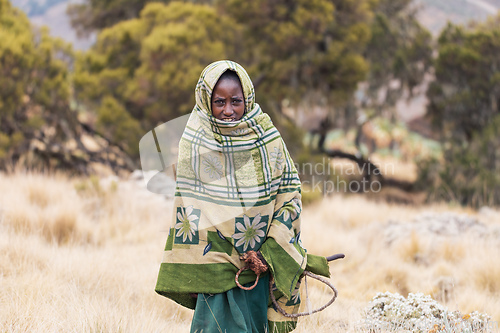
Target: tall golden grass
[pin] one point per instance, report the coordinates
(82, 255)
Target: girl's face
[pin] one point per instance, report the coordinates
(228, 103)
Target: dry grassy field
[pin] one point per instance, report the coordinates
(82, 255)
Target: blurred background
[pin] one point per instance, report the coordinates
(389, 108)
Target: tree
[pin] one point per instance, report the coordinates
(464, 104)
(399, 53)
(35, 84)
(95, 15)
(38, 127)
(146, 69)
(302, 47)
(303, 55)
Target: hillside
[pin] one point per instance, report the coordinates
(435, 14)
(83, 256)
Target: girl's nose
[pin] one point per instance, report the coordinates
(228, 110)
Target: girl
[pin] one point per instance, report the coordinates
(237, 196)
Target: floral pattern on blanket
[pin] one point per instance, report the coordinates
(186, 227)
(249, 232)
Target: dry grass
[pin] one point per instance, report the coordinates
(414, 250)
(461, 273)
(82, 255)
(487, 274)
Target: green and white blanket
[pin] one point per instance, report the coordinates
(237, 190)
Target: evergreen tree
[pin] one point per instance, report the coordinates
(35, 85)
(464, 107)
(38, 126)
(142, 72)
(95, 15)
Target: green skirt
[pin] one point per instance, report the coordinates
(235, 311)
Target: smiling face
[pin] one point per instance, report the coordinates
(228, 102)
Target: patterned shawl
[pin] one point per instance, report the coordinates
(237, 190)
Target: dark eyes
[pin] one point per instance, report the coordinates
(234, 101)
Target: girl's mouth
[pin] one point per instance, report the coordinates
(228, 119)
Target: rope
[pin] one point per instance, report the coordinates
(256, 263)
(295, 315)
(238, 283)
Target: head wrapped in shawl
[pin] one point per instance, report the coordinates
(237, 190)
(209, 78)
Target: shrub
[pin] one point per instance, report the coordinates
(419, 313)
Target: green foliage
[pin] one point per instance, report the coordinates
(303, 54)
(35, 84)
(468, 173)
(95, 15)
(464, 105)
(295, 48)
(16, 52)
(400, 50)
(4, 145)
(119, 126)
(149, 66)
(466, 93)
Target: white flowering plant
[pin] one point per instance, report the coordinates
(419, 313)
